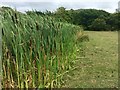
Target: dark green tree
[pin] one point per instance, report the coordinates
(98, 25)
(113, 21)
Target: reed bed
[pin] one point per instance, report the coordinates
(37, 50)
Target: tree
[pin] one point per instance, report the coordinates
(114, 21)
(98, 25)
(62, 14)
(85, 17)
(60, 10)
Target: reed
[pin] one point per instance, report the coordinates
(36, 50)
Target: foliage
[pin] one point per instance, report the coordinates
(114, 21)
(86, 18)
(98, 25)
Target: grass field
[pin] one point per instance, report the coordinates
(97, 62)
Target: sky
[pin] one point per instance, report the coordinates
(52, 5)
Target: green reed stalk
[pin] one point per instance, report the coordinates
(40, 49)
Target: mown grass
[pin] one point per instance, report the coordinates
(37, 50)
(97, 62)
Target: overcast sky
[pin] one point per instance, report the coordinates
(42, 5)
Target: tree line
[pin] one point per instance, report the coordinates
(90, 19)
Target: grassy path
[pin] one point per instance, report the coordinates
(97, 64)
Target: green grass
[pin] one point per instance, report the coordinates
(37, 50)
(97, 62)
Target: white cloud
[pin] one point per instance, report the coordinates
(59, 1)
(23, 9)
(28, 0)
(23, 5)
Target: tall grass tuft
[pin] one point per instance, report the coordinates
(37, 50)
